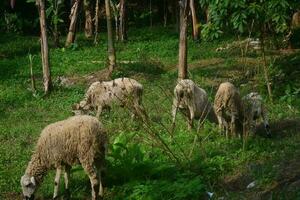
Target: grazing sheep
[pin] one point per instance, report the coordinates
(193, 101)
(100, 95)
(229, 110)
(253, 110)
(78, 139)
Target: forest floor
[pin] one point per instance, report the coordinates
(139, 167)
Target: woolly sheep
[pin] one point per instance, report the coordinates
(78, 139)
(193, 100)
(228, 108)
(100, 95)
(254, 109)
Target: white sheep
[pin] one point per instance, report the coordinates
(193, 101)
(229, 109)
(123, 91)
(78, 139)
(254, 109)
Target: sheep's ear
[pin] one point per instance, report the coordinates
(32, 179)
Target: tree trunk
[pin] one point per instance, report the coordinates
(266, 71)
(72, 27)
(96, 22)
(207, 14)
(56, 36)
(110, 43)
(115, 13)
(88, 19)
(123, 24)
(165, 13)
(195, 21)
(182, 61)
(44, 47)
(150, 10)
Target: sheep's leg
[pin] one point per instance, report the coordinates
(67, 179)
(90, 170)
(223, 126)
(101, 191)
(56, 182)
(266, 121)
(174, 112)
(99, 110)
(233, 127)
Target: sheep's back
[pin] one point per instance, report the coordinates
(68, 140)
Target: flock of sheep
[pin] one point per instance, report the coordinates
(82, 138)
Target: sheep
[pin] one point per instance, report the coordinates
(100, 95)
(229, 109)
(78, 139)
(193, 101)
(253, 110)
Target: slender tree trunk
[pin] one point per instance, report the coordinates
(123, 24)
(195, 21)
(115, 13)
(44, 47)
(207, 14)
(88, 19)
(182, 61)
(56, 35)
(110, 42)
(150, 9)
(265, 67)
(72, 27)
(165, 13)
(96, 22)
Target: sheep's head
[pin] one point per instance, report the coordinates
(28, 186)
(80, 108)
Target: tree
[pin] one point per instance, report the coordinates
(122, 20)
(194, 20)
(72, 28)
(182, 59)
(110, 42)
(44, 46)
(88, 18)
(96, 22)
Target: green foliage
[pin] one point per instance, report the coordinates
(258, 16)
(210, 32)
(137, 165)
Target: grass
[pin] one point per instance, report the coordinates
(138, 168)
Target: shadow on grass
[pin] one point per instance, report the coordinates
(149, 70)
(280, 128)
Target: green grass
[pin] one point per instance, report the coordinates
(138, 167)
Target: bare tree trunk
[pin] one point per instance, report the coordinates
(72, 27)
(123, 24)
(182, 61)
(195, 21)
(266, 73)
(115, 13)
(88, 19)
(96, 22)
(207, 14)
(165, 13)
(150, 9)
(56, 35)
(111, 48)
(44, 47)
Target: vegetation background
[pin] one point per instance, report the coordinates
(139, 167)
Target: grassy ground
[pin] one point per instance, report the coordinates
(138, 166)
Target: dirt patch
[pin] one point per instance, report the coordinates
(102, 75)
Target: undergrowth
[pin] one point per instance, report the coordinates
(138, 166)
